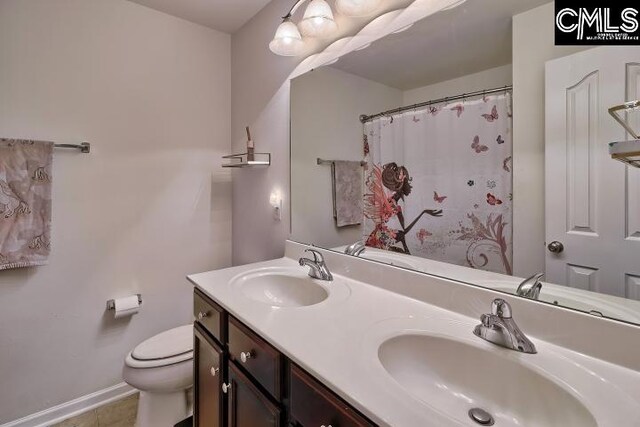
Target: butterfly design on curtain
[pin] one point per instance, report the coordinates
(505, 164)
(477, 146)
(493, 200)
(438, 198)
(459, 109)
(422, 235)
(493, 116)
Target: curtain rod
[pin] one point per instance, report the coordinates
(364, 118)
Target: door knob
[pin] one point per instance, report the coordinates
(226, 387)
(555, 247)
(214, 371)
(245, 355)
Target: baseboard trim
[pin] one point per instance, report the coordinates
(74, 407)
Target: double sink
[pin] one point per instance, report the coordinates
(439, 364)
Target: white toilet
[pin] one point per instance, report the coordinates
(162, 369)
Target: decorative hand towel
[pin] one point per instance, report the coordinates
(25, 202)
(347, 189)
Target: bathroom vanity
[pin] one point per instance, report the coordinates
(242, 380)
(382, 345)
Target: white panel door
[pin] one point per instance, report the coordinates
(592, 202)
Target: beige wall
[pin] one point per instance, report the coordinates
(149, 205)
(325, 108)
(533, 45)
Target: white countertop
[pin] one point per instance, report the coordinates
(337, 341)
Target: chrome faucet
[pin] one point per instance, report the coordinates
(355, 249)
(499, 328)
(530, 287)
(317, 267)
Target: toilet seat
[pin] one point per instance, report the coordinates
(167, 348)
(162, 369)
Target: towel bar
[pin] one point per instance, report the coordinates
(85, 147)
(328, 162)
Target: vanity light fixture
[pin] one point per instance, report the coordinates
(317, 22)
(287, 41)
(357, 8)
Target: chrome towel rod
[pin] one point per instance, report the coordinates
(364, 118)
(84, 147)
(330, 162)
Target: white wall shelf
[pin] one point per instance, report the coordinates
(244, 160)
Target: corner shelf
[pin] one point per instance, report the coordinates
(626, 151)
(242, 160)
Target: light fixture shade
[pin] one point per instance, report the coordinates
(318, 20)
(357, 7)
(287, 41)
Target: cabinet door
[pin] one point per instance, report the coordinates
(313, 405)
(208, 380)
(247, 406)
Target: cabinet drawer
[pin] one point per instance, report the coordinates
(256, 356)
(312, 404)
(210, 315)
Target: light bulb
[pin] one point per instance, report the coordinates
(318, 20)
(356, 8)
(287, 41)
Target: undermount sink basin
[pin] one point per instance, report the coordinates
(454, 377)
(281, 288)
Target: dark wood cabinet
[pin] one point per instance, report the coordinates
(243, 381)
(208, 379)
(256, 356)
(211, 316)
(312, 404)
(247, 406)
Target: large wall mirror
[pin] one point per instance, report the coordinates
(469, 146)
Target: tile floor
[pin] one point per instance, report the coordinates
(121, 413)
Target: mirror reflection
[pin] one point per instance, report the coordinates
(469, 146)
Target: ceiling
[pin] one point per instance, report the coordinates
(470, 38)
(223, 15)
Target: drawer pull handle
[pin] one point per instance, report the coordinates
(325, 426)
(202, 315)
(245, 356)
(226, 388)
(214, 371)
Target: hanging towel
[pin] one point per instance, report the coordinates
(25, 202)
(347, 192)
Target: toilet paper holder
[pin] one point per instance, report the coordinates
(111, 304)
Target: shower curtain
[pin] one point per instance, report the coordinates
(439, 183)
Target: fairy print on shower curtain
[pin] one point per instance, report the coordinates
(439, 183)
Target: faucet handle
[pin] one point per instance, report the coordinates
(317, 256)
(485, 319)
(501, 308)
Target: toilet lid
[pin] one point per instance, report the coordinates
(171, 343)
